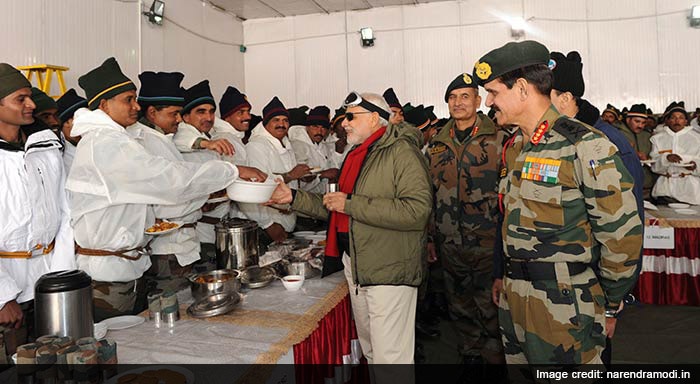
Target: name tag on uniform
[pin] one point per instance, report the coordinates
(437, 149)
(541, 169)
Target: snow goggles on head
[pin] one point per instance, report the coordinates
(355, 100)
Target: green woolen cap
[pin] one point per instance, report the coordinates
(11, 80)
(508, 58)
(42, 101)
(104, 82)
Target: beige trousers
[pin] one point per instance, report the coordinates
(385, 317)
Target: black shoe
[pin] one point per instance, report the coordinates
(472, 360)
(419, 355)
(425, 330)
(430, 319)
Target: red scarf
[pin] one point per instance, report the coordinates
(340, 222)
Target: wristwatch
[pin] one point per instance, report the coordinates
(611, 313)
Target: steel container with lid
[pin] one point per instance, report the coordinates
(236, 244)
(63, 304)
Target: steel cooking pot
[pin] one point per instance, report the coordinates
(214, 282)
(236, 244)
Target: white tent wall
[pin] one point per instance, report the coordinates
(196, 39)
(633, 50)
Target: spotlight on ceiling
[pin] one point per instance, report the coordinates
(695, 16)
(517, 27)
(155, 13)
(367, 36)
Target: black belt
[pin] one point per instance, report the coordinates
(210, 220)
(537, 270)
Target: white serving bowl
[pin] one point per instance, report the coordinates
(251, 192)
(293, 282)
(100, 330)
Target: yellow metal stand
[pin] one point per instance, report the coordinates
(44, 74)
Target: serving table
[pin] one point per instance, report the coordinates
(269, 326)
(672, 276)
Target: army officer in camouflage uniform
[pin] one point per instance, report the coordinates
(464, 163)
(567, 200)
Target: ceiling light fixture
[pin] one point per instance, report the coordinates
(156, 12)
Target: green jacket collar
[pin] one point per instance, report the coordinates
(485, 124)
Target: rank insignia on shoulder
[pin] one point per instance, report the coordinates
(539, 132)
(541, 169)
(437, 149)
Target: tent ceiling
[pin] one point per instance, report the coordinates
(257, 9)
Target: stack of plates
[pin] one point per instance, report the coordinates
(683, 208)
(214, 305)
(257, 277)
(315, 237)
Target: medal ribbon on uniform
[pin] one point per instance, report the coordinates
(541, 169)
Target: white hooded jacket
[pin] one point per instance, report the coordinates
(184, 242)
(113, 182)
(223, 130)
(267, 153)
(676, 181)
(34, 211)
(184, 139)
(309, 153)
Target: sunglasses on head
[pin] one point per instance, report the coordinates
(351, 115)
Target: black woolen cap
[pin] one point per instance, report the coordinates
(196, 95)
(68, 104)
(319, 116)
(637, 110)
(568, 72)
(104, 82)
(417, 117)
(339, 115)
(231, 101)
(675, 107)
(297, 116)
(274, 108)
(42, 101)
(162, 88)
(391, 99)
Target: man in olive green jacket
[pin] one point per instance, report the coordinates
(385, 195)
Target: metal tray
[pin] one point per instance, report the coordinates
(256, 277)
(214, 305)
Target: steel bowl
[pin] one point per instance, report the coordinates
(211, 283)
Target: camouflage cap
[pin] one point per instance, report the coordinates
(508, 58)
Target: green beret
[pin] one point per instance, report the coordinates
(42, 101)
(11, 80)
(104, 82)
(508, 58)
(464, 80)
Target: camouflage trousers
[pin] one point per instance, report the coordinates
(167, 274)
(11, 338)
(553, 322)
(467, 277)
(207, 258)
(113, 299)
